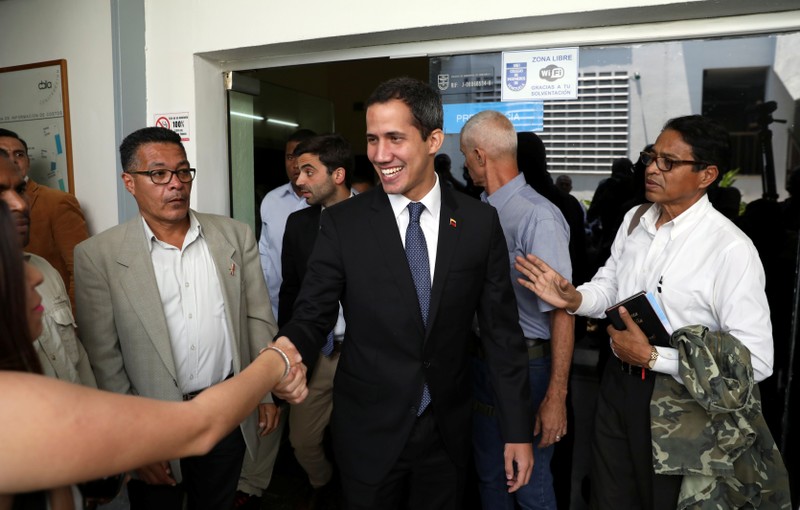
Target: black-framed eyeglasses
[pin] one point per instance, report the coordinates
(163, 176)
(666, 164)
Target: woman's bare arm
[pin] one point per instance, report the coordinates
(56, 433)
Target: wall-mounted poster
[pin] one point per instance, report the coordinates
(34, 104)
(540, 75)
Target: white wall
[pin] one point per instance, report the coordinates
(80, 32)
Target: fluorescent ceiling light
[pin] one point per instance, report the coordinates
(283, 123)
(247, 116)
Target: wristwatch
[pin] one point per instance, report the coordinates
(653, 358)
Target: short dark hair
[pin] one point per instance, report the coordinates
(710, 142)
(424, 102)
(333, 151)
(363, 171)
(131, 144)
(442, 163)
(301, 135)
(10, 134)
(622, 168)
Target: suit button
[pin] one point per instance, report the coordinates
(426, 364)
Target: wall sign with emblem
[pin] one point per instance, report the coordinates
(34, 103)
(465, 82)
(178, 122)
(536, 75)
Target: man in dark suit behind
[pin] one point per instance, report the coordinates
(402, 399)
(326, 165)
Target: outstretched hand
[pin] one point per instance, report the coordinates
(546, 283)
(291, 388)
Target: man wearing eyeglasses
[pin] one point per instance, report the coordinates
(169, 304)
(701, 269)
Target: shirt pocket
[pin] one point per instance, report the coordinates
(64, 327)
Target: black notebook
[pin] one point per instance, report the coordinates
(648, 315)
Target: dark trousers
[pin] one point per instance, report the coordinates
(209, 481)
(424, 477)
(488, 445)
(622, 456)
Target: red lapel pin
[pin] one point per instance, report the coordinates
(452, 222)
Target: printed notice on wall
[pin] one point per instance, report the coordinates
(178, 122)
(32, 105)
(536, 75)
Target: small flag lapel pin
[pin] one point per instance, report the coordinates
(452, 222)
(233, 268)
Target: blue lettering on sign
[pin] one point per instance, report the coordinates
(524, 115)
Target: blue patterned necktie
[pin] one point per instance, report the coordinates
(327, 349)
(417, 255)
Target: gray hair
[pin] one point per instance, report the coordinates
(491, 131)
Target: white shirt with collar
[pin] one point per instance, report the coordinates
(428, 220)
(702, 270)
(275, 209)
(191, 296)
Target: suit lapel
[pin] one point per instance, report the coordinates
(384, 227)
(33, 193)
(229, 272)
(448, 240)
(139, 284)
(310, 231)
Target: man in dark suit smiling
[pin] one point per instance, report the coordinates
(412, 262)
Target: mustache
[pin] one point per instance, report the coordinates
(24, 216)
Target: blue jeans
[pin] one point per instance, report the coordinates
(488, 446)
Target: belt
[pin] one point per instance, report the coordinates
(193, 394)
(537, 348)
(627, 368)
(633, 369)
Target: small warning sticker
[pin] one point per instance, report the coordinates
(178, 122)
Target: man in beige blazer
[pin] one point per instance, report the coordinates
(170, 303)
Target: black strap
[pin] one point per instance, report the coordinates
(637, 216)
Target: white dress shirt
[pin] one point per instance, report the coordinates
(191, 296)
(702, 270)
(428, 220)
(275, 209)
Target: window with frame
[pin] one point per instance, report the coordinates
(587, 134)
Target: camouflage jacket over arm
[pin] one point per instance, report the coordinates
(712, 431)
